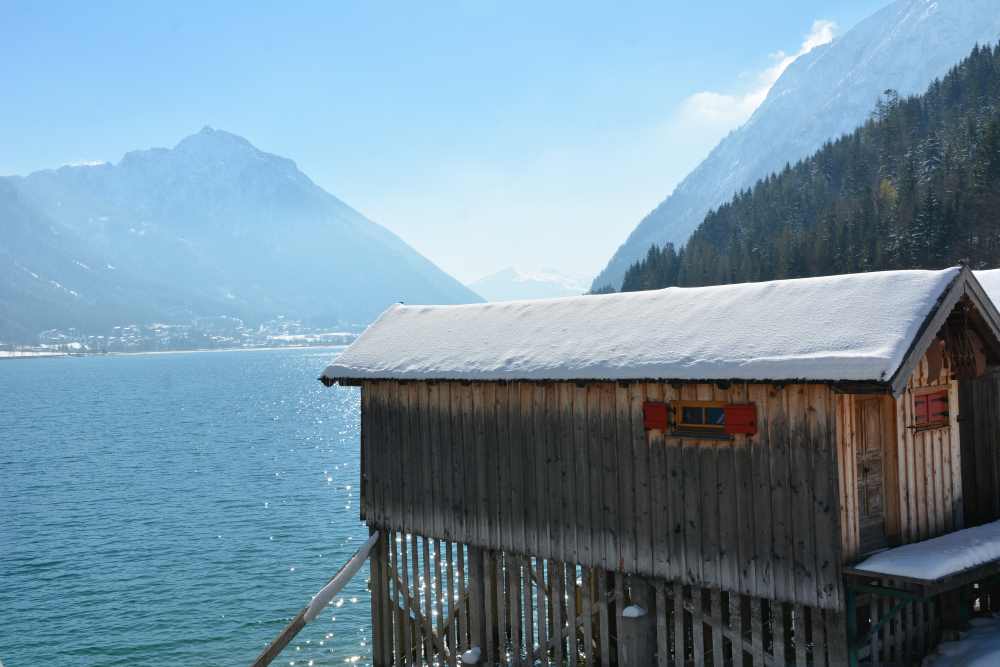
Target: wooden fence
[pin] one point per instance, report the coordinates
(434, 599)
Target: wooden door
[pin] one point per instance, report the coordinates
(871, 474)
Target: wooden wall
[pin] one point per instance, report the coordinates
(567, 472)
(979, 414)
(923, 493)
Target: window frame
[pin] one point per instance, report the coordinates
(680, 426)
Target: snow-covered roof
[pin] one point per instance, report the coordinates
(990, 280)
(855, 327)
(940, 556)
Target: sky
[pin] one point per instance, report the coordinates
(485, 134)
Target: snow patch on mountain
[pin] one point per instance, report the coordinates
(513, 283)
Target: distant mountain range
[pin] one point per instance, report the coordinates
(822, 95)
(512, 284)
(213, 226)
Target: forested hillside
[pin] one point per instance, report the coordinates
(917, 186)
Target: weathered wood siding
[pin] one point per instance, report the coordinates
(567, 472)
(979, 414)
(923, 491)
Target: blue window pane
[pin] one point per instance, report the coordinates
(715, 416)
(693, 415)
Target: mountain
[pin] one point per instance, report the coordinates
(917, 186)
(512, 284)
(823, 94)
(213, 226)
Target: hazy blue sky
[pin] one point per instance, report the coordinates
(484, 133)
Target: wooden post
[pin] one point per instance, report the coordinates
(477, 599)
(637, 634)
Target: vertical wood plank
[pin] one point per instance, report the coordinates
(610, 522)
(500, 537)
(471, 456)
(428, 487)
(489, 591)
(624, 460)
(958, 515)
(677, 507)
(516, 494)
(680, 654)
(582, 478)
(660, 520)
(697, 626)
(759, 531)
(662, 637)
(551, 487)
(708, 462)
(783, 553)
(565, 438)
(464, 639)
(458, 451)
(716, 630)
(514, 601)
(557, 573)
(587, 601)
(643, 480)
(691, 453)
(488, 465)
(602, 605)
(595, 446)
(619, 601)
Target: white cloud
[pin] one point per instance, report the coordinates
(717, 113)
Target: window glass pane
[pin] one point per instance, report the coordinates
(692, 415)
(715, 416)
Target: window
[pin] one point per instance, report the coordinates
(930, 409)
(711, 418)
(701, 416)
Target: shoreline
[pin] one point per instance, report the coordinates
(65, 355)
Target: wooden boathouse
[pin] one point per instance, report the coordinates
(688, 476)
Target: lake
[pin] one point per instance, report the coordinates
(177, 509)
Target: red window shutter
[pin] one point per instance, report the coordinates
(921, 415)
(741, 418)
(937, 407)
(654, 416)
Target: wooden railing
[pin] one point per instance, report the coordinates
(318, 603)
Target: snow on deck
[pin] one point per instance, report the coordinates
(854, 327)
(979, 647)
(940, 556)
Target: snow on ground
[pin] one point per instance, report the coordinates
(979, 647)
(847, 327)
(940, 556)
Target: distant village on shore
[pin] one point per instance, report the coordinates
(204, 333)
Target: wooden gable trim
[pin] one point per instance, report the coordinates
(964, 285)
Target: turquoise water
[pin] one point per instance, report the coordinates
(176, 509)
